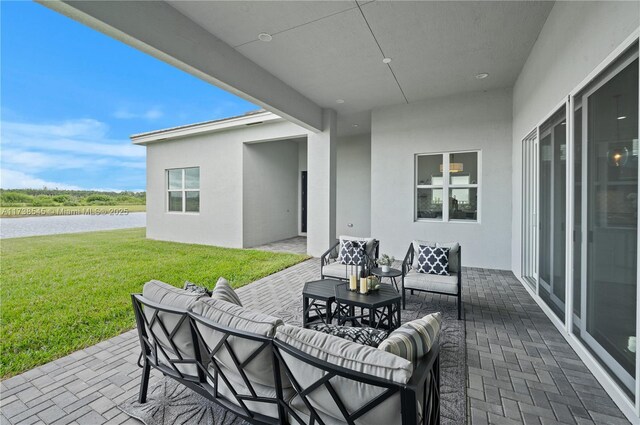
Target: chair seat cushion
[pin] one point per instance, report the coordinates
(431, 282)
(339, 271)
(414, 339)
(364, 336)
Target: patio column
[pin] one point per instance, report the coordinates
(321, 185)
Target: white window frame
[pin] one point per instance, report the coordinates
(446, 187)
(183, 191)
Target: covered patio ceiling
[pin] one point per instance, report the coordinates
(329, 54)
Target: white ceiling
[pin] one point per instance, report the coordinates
(329, 50)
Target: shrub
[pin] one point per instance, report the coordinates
(9, 198)
(98, 199)
(42, 201)
(62, 199)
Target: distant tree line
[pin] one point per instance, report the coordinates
(68, 198)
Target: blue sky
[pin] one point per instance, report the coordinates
(71, 97)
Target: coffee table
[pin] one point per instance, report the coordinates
(378, 309)
(318, 297)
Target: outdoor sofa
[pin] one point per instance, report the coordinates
(267, 372)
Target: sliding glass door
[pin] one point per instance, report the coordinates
(553, 209)
(530, 209)
(602, 236)
(606, 137)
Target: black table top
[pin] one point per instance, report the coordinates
(384, 296)
(321, 289)
(377, 271)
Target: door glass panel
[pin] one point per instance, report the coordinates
(552, 195)
(612, 217)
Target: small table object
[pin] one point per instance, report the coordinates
(318, 297)
(378, 309)
(391, 274)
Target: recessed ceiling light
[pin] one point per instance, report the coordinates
(340, 101)
(482, 76)
(386, 60)
(265, 37)
(622, 117)
(355, 126)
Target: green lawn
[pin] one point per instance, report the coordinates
(61, 293)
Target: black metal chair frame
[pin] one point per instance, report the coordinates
(407, 264)
(424, 383)
(332, 254)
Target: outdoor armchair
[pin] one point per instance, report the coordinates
(331, 267)
(450, 284)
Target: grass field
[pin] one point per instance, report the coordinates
(65, 292)
(8, 212)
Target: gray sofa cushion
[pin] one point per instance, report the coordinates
(268, 409)
(454, 259)
(431, 282)
(349, 355)
(259, 369)
(224, 291)
(170, 296)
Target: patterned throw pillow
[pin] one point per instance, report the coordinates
(414, 339)
(224, 292)
(433, 260)
(364, 336)
(352, 253)
(194, 287)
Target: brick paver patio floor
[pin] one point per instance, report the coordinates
(520, 369)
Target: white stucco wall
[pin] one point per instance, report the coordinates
(321, 166)
(270, 192)
(353, 192)
(219, 156)
(474, 121)
(576, 38)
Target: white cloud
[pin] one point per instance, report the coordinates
(150, 114)
(31, 149)
(77, 137)
(11, 179)
(43, 161)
